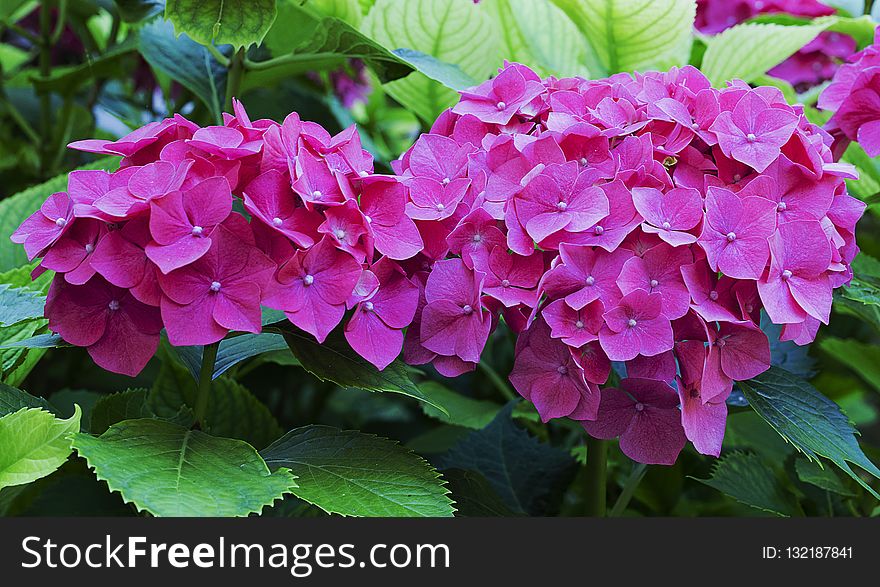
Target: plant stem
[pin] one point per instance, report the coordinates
(233, 81)
(597, 453)
(638, 473)
(220, 57)
(45, 98)
(497, 381)
(206, 376)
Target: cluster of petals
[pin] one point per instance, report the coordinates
(638, 224)
(200, 228)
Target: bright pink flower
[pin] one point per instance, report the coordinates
(145, 184)
(659, 270)
(657, 367)
(313, 286)
(437, 157)
(859, 115)
(270, 198)
(433, 200)
(375, 330)
(754, 132)
(575, 327)
(45, 226)
(735, 233)
(609, 232)
(348, 229)
(583, 274)
(510, 278)
(120, 258)
(120, 333)
(645, 415)
(737, 351)
(476, 235)
(670, 215)
(498, 100)
(703, 422)
(453, 321)
(225, 142)
(383, 203)
(712, 297)
(796, 284)
(72, 253)
(636, 326)
(218, 293)
(798, 195)
(317, 183)
(545, 373)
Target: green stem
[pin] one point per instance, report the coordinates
(233, 81)
(638, 473)
(597, 453)
(59, 24)
(45, 64)
(206, 376)
(497, 380)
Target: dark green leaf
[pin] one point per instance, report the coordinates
(40, 341)
(354, 474)
(474, 495)
(12, 400)
(747, 478)
(232, 351)
(862, 358)
(823, 477)
(463, 411)
(130, 404)
(527, 474)
(810, 421)
(139, 10)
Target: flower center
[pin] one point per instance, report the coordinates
(317, 194)
(277, 221)
(737, 177)
(579, 324)
(631, 323)
(720, 342)
(562, 369)
(751, 137)
(363, 173)
(695, 126)
(440, 207)
(309, 279)
(368, 306)
(583, 161)
(639, 406)
(561, 206)
(340, 234)
(786, 275)
(60, 222)
(368, 219)
(590, 280)
(731, 236)
(477, 238)
(89, 248)
(113, 305)
(598, 230)
(505, 283)
(781, 206)
(467, 310)
(713, 295)
(654, 283)
(215, 286)
(501, 105)
(666, 226)
(197, 231)
(445, 181)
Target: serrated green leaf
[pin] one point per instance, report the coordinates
(354, 474)
(527, 474)
(16, 208)
(13, 399)
(630, 35)
(474, 495)
(19, 304)
(807, 419)
(35, 443)
(463, 411)
(240, 23)
(333, 360)
(168, 470)
(747, 478)
(822, 477)
(747, 51)
(453, 31)
(130, 404)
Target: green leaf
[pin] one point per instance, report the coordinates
(747, 478)
(786, 354)
(474, 495)
(447, 74)
(67, 80)
(354, 474)
(527, 474)
(130, 404)
(168, 470)
(463, 411)
(539, 34)
(453, 31)
(15, 209)
(629, 35)
(40, 341)
(186, 62)
(335, 361)
(808, 420)
(821, 477)
(862, 358)
(240, 23)
(348, 10)
(35, 443)
(232, 410)
(139, 10)
(12, 400)
(19, 304)
(747, 51)
(232, 351)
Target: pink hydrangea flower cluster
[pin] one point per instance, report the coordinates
(812, 64)
(642, 219)
(854, 97)
(164, 241)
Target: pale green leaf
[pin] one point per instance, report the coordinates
(169, 470)
(34, 444)
(453, 31)
(19, 304)
(240, 23)
(463, 411)
(747, 51)
(747, 478)
(630, 35)
(808, 420)
(354, 474)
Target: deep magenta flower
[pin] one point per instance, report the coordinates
(120, 258)
(510, 278)
(433, 200)
(645, 415)
(636, 326)
(659, 270)
(583, 274)
(703, 422)
(45, 226)
(72, 253)
(574, 327)
(383, 203)
(737, 351)
(270, 198)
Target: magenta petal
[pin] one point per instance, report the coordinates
(372, 339)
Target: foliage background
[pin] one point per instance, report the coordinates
(74, 69)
